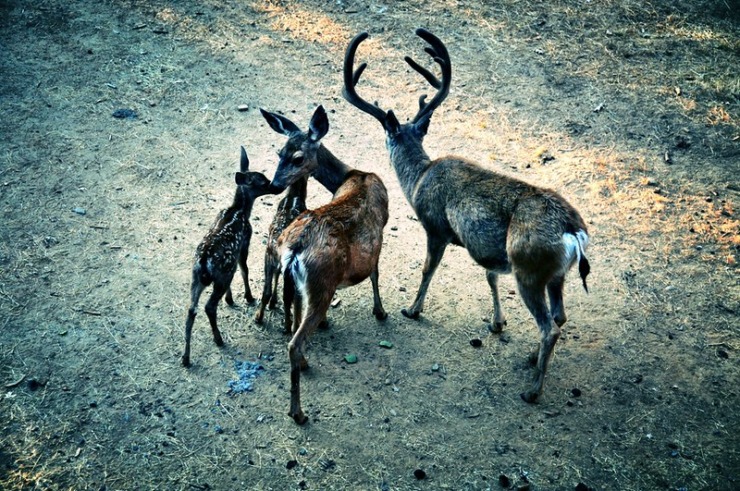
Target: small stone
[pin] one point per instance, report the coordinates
(242, 107)
(385, 344)
(350, 358)
(218, 429)
(124, 113)
(79, 210)
(504, 481)
(290, 464)
(420, 474)
(336, 303)
(435, 367)
(401, 288)
(723, 354)
(476, 343)
(33, 384)
(576, 392)
(394, 228)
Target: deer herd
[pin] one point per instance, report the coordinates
(506, 225)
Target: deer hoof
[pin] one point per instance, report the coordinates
(496, 327)
(249, 298)
(324, 325)
(186, 361)
(299, 418)
(381, 315)
(529, 396)
(218, 340)
(258, 318)
(410, 314)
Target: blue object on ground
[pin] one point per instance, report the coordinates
(247, 372)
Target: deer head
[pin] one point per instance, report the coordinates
(251, 183)
(298, 157)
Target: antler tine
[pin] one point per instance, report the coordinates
(438, 52)
(351, 78)
(431, 78)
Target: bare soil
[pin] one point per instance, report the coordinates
(630, 109)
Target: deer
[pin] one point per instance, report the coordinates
(224, 247)
(333, 246)
(292, 205)
(506, 225)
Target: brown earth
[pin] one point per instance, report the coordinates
(629, 109)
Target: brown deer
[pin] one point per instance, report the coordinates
(334, 246)
(505, 224)
(292, 205)
(225, 246)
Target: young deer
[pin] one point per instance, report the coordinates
(225, 245)
(331, 247)
(505, 224)
(292, 205)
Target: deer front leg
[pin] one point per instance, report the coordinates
(267, 293)
(499, 321)
(534, 299)
(378, 310)
(245, 274)
(435, 251)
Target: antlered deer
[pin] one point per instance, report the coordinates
(334, 246)
(505, 224)
(225, 246)
(292, 205)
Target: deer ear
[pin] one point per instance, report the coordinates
(240, 178)
(281, 124)
(319, 125)
(243, 161)
(391, 123)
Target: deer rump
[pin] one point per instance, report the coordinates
(505, 224)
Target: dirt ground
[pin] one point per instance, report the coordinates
(630, 109)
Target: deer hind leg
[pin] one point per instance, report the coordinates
(378, 310)
(297, 354)
(288, 297)
(267, 291)
(275, 281)
(499, 320)
(555, 293)
(534, 298)
(219, 289)
(435, 251)
(196, 290)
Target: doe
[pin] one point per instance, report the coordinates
(225, 246)
(507, 226)
(334, 246)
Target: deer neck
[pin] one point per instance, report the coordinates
(410, 162)
(297, 190)
(243, 201)
(331, 172)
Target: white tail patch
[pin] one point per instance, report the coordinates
(575, 247)
(294, 263)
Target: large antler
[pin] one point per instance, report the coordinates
(439, 53)
(351, 78)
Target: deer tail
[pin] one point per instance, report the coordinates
(576, 244)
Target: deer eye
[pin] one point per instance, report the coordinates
(298, 159)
